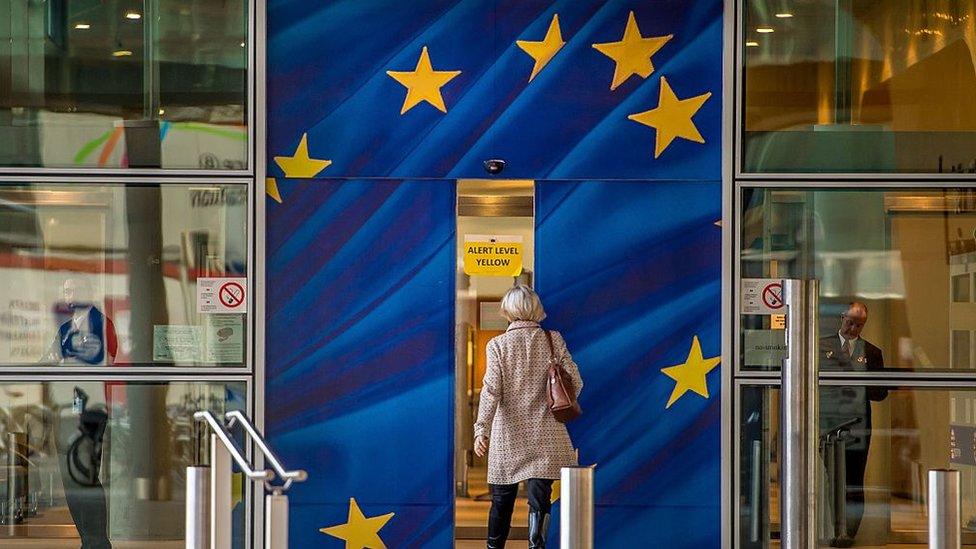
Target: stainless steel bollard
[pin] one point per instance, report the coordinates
(576, 508)
(276, 521)
(944, 509)
(198, 508)
(16, 479)
(755, 494)
(798, 413)
(220, 495)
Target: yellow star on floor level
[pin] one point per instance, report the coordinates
(360, 532)
(271, 187)
(544, 51)
(300, 165)
(672, 117)
(423, 83)
(632, 53)
(690, 376)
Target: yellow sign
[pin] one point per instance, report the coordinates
(487, 255)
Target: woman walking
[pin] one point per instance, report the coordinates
(523, 439)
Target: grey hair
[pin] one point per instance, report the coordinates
(522, 303)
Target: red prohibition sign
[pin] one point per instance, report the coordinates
(231, 294)
(773, 295)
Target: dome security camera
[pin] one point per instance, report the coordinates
(494, 166)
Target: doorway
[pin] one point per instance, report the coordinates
(495, 249)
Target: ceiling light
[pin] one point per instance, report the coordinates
(121, 53)
(82, 26)
(784, 15)
(133, 15)
(161, 112)
(765, 30)
(752, 44)
(242, 44)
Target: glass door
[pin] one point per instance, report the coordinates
(894, 357)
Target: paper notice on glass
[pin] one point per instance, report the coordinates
(177, 343)
(224, 338)
(221, 295)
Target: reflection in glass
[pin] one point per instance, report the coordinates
(907, 254)
(120, 84)
(876, 446)
(98, 275)
(102, 464)
(859, 86)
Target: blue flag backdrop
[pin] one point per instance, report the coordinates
(375, 108)
(328, 67)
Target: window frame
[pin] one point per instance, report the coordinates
(735, 85)
(255, 64)
(249, 363)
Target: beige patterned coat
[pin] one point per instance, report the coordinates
(525, 440)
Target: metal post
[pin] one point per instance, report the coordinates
(839, 486)
(276, 521)
(198, 508)
(756, 491)
(576, 508)
(944, 509)
(220, 495)
(798, 409)
(16, 478)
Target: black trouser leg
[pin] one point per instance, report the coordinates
(500, 516)
(85, 497)
(857, 461)
(540, 504)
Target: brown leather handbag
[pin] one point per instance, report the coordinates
(562, 394)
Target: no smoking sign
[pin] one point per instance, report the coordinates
(221, 295)
(762, 296)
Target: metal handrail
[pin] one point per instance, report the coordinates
(297, 475)
(232, 449)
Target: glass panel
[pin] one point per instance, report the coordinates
(961, 286)
(960, 349)
(859, 86)
(93, 463)
(118, 84)
(876, 446)
(896, 251)
(94, 275)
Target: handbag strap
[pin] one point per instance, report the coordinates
(552, 348)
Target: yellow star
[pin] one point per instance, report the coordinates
(360, 532)
(271, 187)
(690, 376)
(423, 83)
(543, 51)
(672, 117)
(300, 165)
(632, 53)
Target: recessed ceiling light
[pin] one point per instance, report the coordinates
(784, 15)
(121, 53)
(133, 15)
(82, 26)
(752, 44)
(765, 30)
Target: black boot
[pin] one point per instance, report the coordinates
(498, 528)
(538, 529)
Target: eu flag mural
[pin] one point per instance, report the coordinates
(432, 88)
(360, 345)
(375, 108)
(630, 273)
